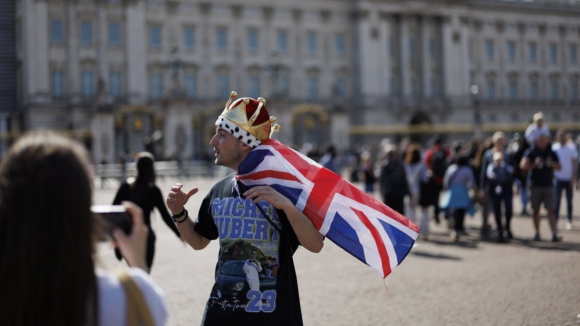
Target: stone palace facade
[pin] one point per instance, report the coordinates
(129, 75)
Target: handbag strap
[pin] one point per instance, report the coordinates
(452, 177)
(138, 312)
(243, 188)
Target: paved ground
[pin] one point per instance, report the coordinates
(441, 283)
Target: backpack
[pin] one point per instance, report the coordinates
(439, 163)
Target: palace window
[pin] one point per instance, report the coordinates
(86, 33)
(189, 37)
(56, 31)
(114, 34)
(156, 85)
(57, 84)
(115, 84)
(155, 37)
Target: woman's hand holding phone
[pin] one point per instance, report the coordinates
(133, 245)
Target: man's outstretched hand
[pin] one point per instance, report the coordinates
(177, 198)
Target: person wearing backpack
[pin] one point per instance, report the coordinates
(436, 159)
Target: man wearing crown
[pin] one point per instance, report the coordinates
(258, 224)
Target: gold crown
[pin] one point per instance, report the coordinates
(237, 114)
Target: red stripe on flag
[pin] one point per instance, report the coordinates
(378, 240)
(268, 174)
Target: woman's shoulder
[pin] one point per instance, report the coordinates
(112, 302)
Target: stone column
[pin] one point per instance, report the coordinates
(238, 35)
(31, 31)
(521, 59)
(425, 68)
(455, 62)
(542, 58)
(73, 70)
(206, 71)
(501, 78)
(563, 63)
(40, 50)
(372, 55)
(136, 42)
(385, 59)
(404, 73)
(295, 50)
(102, 29)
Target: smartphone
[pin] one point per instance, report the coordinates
(115, 217)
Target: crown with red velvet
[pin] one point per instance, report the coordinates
(248, 120)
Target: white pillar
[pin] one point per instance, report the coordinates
(404, 59)
(102, 29)
(456, 73)
(30, 36)
(136, 40)
(426, 60)
(40, 48)
(72, 73)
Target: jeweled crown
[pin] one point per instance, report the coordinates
(250, 115)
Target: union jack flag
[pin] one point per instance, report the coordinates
(357, 222)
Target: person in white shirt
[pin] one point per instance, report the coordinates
(565, 177)
(537, 128)
(48, 239)
(252, 268)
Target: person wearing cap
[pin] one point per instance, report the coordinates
(542, 162)
(259, 221)
(537, 128)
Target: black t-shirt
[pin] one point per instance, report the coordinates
(255, 277)
(542, 175)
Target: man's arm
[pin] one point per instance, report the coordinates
(307, 234)
(176, 201)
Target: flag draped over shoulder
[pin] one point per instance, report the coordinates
(357, 222)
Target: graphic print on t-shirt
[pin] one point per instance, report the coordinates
(248, 264)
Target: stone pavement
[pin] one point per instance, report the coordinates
(471, 282)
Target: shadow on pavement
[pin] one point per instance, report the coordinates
(435, 256)
(443, 239)
(546, 244)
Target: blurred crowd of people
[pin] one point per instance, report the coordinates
(454, 180)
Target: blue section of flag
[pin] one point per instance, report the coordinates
(291, 193)
(401, 242)
(257, 156)
(342, 234)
